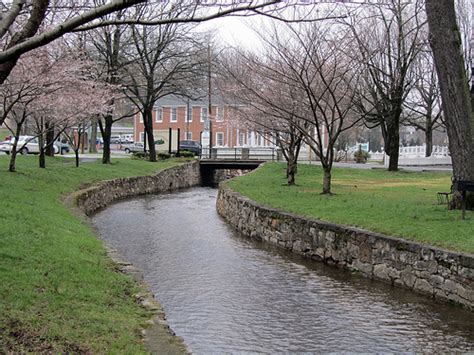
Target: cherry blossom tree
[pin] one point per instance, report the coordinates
(48, 91)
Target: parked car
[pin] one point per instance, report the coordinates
(115, 140)
(132, 148)
(5, 147)
(61, 147)
(138, 147)
(25, 145)
(29, 145)
(191, 146)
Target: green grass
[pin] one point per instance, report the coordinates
(3, 133)
(401, 204)
(58, 290)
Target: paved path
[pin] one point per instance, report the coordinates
(443, 168)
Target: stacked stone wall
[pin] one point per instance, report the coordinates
(437, 273)
(99, 196)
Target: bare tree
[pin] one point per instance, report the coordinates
(163, 60)
(109, 47)
(446, 43)
(20, 22)
(423, 104)
(264, 104)
(388, 37)
(311, 62)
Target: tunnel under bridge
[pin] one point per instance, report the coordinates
(215, 170)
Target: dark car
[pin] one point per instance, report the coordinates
(191, 146)
(62, 147)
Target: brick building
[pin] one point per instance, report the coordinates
(189, 116)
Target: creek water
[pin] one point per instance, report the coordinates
(224, 293)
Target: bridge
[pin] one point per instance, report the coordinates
(210, 168)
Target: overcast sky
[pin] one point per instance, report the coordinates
(234, 31)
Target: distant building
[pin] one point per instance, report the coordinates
(189, 117)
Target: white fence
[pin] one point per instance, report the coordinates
(416, 156)
(420, 151)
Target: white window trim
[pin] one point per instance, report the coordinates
(140, 117)
(171, 114)
(189, 136)
(241, 134)
(159, 115)
(217, 140)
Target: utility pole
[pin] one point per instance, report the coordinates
(188, 117)
(209, 109)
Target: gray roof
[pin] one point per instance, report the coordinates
(175, 100)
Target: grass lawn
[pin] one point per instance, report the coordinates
(401, 204)
(59, 292)
(3, 133)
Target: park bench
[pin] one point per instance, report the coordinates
(463, 186)
(444, 198)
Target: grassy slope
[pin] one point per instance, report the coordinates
(402, 204)
(58, 290)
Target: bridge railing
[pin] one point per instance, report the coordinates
(269, 154)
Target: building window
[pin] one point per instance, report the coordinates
(219, 139)
(241, 139)
(189, 114)
(174, 115)
(140, 115)
(189, 136)
(203, 113)
(142, 137)
(159, 115)
(219, 114)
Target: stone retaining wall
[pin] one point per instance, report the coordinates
(438, 273)
(157, 336)
(97, 197)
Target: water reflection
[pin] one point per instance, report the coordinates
(224, 293)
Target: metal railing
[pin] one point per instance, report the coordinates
(269, 154)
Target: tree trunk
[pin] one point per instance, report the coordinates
(429, 140)
(93, 137)
(393, 147)
(326, 181)
(106, 133)
(291, 169)
(148, 122)
(49, 140)
(12, 165)
(76, 154)
(41, 158)
(445, 42)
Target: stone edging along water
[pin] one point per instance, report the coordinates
(158, 336)
(437, 273)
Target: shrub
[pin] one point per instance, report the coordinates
(361, 156)
(140, 155)
(163, 156)
(186, 154)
